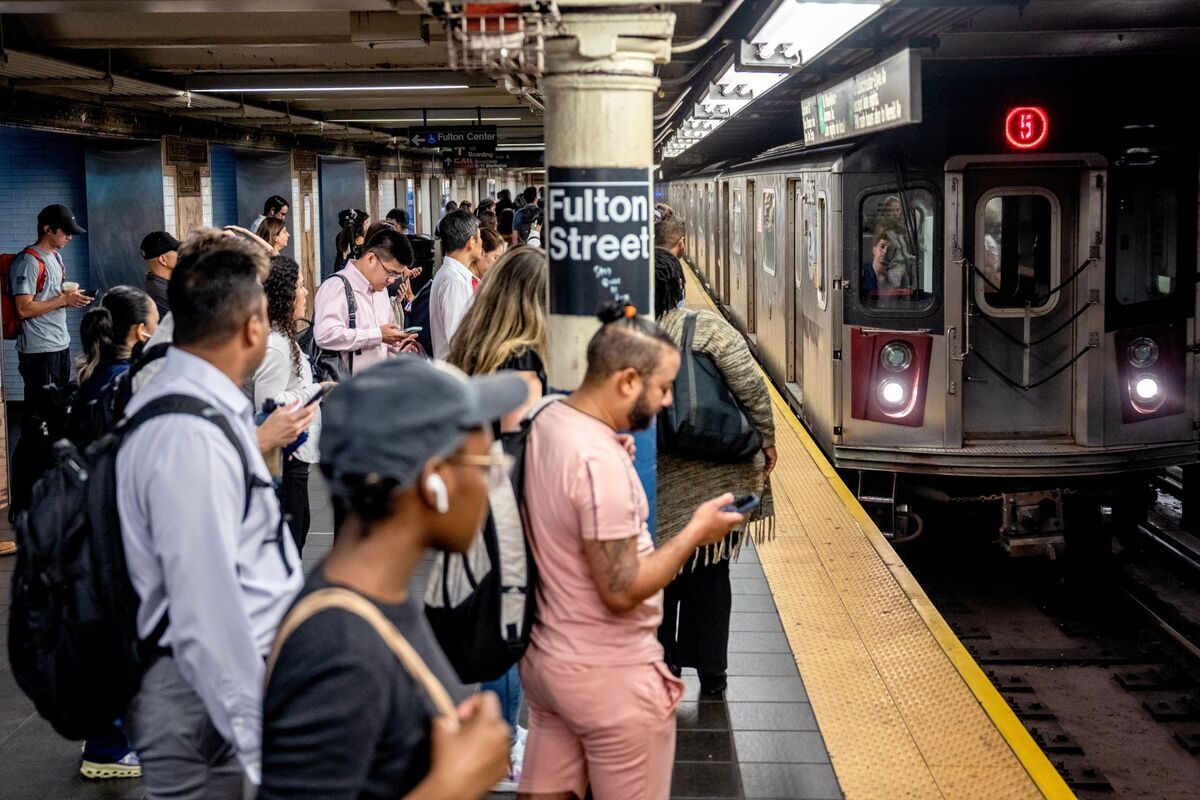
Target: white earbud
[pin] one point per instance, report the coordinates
(437, 488)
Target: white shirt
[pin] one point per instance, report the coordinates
(227, 581)
(276, 379)
(450, 297)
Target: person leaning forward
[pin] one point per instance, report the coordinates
(223, 565)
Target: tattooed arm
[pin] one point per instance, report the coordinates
(624, 580)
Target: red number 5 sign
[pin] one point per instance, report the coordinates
(1026, 127)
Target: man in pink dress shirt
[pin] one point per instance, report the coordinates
(373, 336)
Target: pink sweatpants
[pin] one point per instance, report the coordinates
(612, 727)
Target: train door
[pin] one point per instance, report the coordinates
(749, 311)
(802, 246)
(721, 223)
(772, 280)
(1018, 238)
(698, 230)
(739, 253)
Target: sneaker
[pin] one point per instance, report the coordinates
(516, 759)
(127, 766)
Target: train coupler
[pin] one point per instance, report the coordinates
(1032, 523)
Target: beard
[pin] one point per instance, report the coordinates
(642, 414)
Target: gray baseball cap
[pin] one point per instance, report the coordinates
(389, 420)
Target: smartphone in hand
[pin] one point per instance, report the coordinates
(413, 329)
(743, 503)
(316, 398)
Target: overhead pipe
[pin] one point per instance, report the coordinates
(683, 80)
(712, 31)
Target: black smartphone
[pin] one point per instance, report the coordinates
(317, 397)
(743, 503)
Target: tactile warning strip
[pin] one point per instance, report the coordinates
(903, 708)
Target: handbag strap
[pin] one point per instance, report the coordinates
(360, 606)
(689, 332)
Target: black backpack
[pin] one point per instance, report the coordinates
(89, 421)
(481, 603)
(72, 639)
(416, 315)
(327, 365)
(530, 214)
(705, 421)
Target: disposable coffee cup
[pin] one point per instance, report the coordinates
(70, 287)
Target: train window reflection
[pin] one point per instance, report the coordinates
(1016, 254)
(766, 231)
(897, 230)
(1147, 237)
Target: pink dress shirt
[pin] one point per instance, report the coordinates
(331, 323)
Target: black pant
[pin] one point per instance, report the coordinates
(695, 626)
(43, 421)
(39, 369)
(293, 499)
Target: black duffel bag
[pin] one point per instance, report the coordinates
(705, 421)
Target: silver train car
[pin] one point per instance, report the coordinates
(958, 318)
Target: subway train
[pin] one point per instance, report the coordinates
(995, 305)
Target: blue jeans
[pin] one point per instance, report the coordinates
(508, 688)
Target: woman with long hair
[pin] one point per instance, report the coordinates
(697, 603)
(285, 377)
(124, 319)
(505, 329)
(493, 248)
(274, 232)
(113, 332)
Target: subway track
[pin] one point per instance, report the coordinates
(1098, 654)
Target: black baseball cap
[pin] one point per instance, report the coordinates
(389, 420)
(156, 243)
(59, 218)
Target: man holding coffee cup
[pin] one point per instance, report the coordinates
(42, 296)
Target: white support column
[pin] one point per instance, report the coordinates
(599, 89)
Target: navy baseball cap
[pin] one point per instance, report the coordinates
(389, 420)
(156, 243)
(59, 218)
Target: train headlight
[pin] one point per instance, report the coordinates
(895, 357)
(891, 393)
(1146, 388)
(1142, 353)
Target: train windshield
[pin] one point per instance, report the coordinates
(1016, 261)
(897, 231)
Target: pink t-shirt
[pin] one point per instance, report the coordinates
(580, 484)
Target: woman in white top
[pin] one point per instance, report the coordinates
(286, 377)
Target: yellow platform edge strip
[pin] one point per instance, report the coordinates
(1014, 733)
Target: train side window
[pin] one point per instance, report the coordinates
(1016, 251)
(819, 270)
(736, 225)
(896, 231)
(766, 231)
(1147, 240)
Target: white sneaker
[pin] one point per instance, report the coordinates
(516, 759)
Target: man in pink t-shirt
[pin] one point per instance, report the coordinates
(601, 700)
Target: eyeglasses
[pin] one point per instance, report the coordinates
(392, 275)
(498, 464)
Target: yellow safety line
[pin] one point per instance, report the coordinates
(1014, 733)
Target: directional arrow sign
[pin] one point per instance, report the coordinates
(478, 138)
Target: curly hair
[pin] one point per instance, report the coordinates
(280, 287)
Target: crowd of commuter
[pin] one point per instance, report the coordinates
(240, 377)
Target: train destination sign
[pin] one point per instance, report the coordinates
(599, 224)
(476, 137)
(884, 96)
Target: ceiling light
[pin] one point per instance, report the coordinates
(530, 146)
(430, 121)
(809, 28)
(421, 87)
